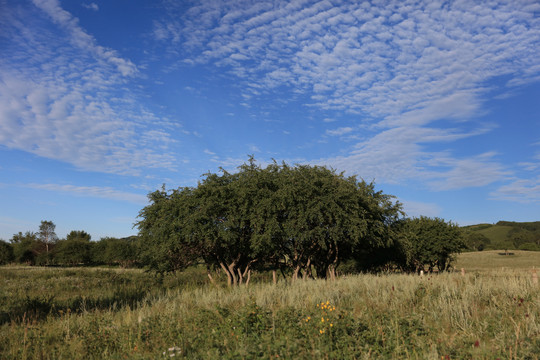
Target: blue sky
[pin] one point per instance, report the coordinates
(102, 102)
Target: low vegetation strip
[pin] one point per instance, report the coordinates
(498, 259)
(446, 316)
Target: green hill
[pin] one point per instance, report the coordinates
(503, 235)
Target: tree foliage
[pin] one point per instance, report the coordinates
(47, 232)
(476, 241)
(73, 251)
(114, 251)
(429, 242)
(78, 235)
(302, 219)
(6, 252)
(26, 247)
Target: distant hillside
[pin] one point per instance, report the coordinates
(504, 235)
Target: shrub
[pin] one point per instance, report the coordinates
(6, 253)
(529, 247)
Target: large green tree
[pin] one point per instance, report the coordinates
(298, 218)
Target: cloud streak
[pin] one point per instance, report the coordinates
(81, 39)
(92, 191)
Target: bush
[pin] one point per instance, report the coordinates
(529, 247)
(430, 242)
(73, 252)
(6, 253)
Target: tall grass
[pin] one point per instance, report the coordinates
(495, 314)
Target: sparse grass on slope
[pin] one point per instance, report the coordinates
(496, 233)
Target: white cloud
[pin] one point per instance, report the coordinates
(91, 6)
(339, 131)
(417, 209)
(399, 154)
(92, 191)
(81, 38)
(519, 190)
(472, 172)
(254, 148)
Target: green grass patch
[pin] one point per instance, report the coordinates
(37, 292)
(497, 233)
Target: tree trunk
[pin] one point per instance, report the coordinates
(307, 270)
(332, 272)
(240, 277)
(295, 273)
(211, 278)
(226, 270)
(231, 268)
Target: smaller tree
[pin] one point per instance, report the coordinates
(521, 237)
(47, 236)
(113, 251)
(476, 241)
(74, 251)
(25, 247)
(430, 242)
(6, 252)
(79, 235)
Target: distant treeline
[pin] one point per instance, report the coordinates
(44, 248)
(504, 235)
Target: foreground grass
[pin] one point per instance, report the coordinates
(484, 315)
(37, 292)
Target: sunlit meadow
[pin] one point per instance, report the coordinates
(129, 314)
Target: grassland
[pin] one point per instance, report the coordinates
(127, 314)
(488, 261)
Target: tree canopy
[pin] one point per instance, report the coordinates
(300, 218)
(429, 242)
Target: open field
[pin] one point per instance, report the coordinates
(486, 314)
(497, 260)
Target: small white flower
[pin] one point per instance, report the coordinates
(172, 351)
